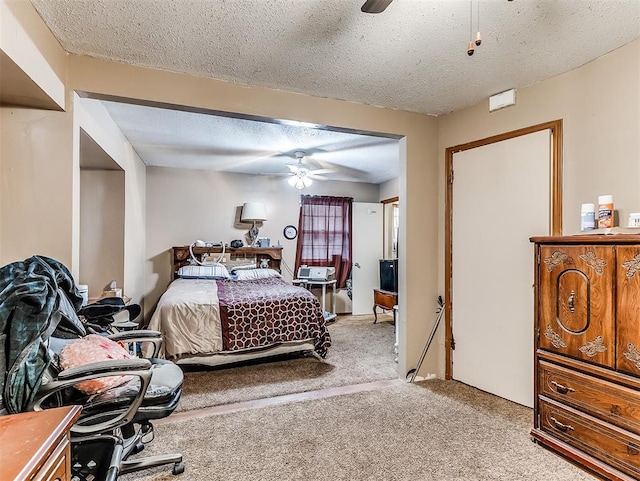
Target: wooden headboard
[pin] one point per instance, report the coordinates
(273, 255)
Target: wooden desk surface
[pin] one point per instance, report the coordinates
(28, 439)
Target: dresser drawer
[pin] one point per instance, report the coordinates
(606, 400)
(55, 469)
(608, 443)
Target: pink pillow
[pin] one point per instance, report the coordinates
(94, 348)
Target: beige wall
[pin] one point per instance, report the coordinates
(37, 184)
(91, 117)
(599, 104)
(102, 214)
(185, 205)
(33, 69)
(29, 43)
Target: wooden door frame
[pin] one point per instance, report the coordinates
(555, 214)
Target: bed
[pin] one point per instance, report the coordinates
(219, 320)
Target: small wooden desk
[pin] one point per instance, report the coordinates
(385, 300)
(35, 445)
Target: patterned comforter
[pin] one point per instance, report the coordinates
(263, 312)
(203, 317)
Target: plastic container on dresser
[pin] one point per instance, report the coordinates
(587, 351)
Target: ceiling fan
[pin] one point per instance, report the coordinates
(375, 6)
(302, 175)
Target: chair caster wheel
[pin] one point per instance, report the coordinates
(139, 447)
(178, 468)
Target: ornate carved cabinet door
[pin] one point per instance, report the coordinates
(576, 312)
(628, 308)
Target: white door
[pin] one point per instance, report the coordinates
(501, 197)
(366, 252)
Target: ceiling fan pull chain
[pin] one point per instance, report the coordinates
(470, 48)
(478, 36)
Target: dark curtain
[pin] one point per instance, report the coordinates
(324, 234)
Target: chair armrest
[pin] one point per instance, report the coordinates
(152, 337)
(112, 367)
(68, 378)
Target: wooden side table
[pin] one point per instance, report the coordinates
(385, 300)
(35, 445)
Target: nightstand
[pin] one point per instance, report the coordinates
(35, 444)
(385, 300)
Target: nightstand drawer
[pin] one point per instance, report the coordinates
(384, 299)
(615, 446)
(608, 401)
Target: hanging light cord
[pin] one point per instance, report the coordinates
(470, 47)
(478, 37)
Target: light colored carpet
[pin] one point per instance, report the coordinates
(361, 351)
(433, 430)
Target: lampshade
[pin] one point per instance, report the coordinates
(252, 211)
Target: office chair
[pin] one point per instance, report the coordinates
(38, 317)
(116, 423)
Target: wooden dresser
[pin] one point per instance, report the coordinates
(587, 358)
(35, 445)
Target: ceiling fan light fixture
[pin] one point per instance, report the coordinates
(307, 181)
(293, 180)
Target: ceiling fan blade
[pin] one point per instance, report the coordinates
(320, 171)
(295, 168)
(316, 177)
(375, 6)
(276, 174)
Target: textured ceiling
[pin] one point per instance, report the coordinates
(164, 137)
(411, 57)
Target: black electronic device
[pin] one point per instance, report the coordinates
(236, 243)
(389, 275)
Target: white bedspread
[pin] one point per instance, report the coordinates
(188, 316)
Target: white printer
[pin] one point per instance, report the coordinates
(311, 273)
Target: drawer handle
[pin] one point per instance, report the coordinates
(561, 388)
(570, 301)
(633, 449)
(562, 427)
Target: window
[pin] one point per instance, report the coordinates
(324, 234)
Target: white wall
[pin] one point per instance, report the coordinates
(390, 189)
(185, 205)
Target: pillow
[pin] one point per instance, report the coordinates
(242, 267)
(215, 271)
(94, 348)
(248, 274)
